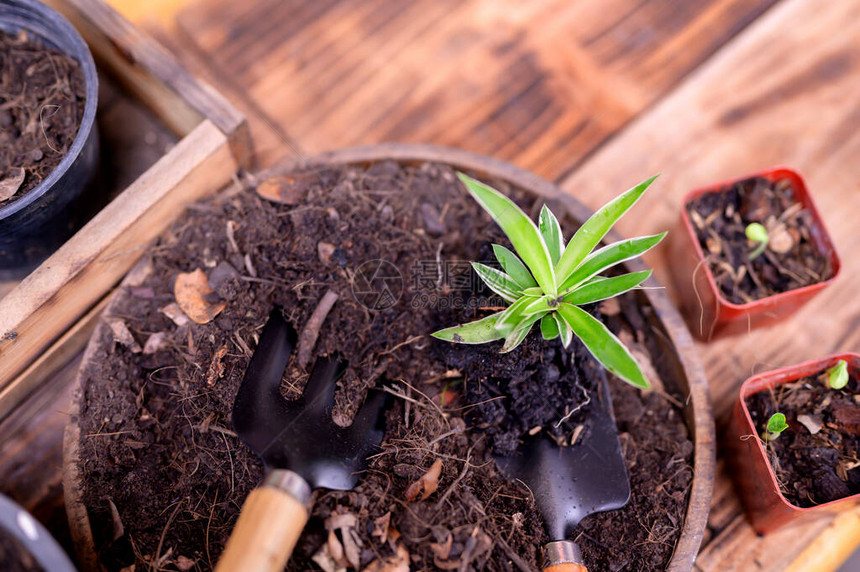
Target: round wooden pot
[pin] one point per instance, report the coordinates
(686, 377)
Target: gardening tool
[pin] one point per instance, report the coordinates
(301, 446)
(570, 483)
(40, 546)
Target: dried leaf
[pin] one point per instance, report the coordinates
(10, 185)
(345, 551)
(714, 246)
(779, 239)
(122, 335)
(154, 343)
(288, 190)
(813, 423)
(183, 563)
(380, 526)
(442, 550)
(399, 562)
(325, 251)
(427, 484)
(643, 358)
(216, 366)
(335, 549)
(341, 520)
(192, 290)
(325, 560)
(350, 547)
(173, 312)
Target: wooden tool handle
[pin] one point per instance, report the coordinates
(266, 532)
(566, 567)
(563, 556)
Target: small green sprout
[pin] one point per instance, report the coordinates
(837, 376)
(775, 425)
(547, 281)
(756, 232)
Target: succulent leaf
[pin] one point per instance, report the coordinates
(603, 345)
(595, 228)
(519, 228)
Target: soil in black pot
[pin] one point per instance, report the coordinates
(162, 467)
(42, 99)
(14, 557)
(815, 459)
(791, 260)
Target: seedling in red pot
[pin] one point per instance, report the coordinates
(805, 464)
(837, 376)
(757, 233)
(775, 425)
(749, 252)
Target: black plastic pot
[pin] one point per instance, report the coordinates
(17, 523)
(35, 225)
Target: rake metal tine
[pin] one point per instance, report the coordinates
(319, 391)
(371, 415)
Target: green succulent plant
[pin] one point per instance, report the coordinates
(546, 281)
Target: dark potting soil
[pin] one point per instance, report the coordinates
(156, 441)
(14, 557)
(815, 459)
(791, 260)
(42, 99)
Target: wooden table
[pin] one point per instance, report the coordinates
(597, 95)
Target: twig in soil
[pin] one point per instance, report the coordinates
(242, 345)
(231, 235)
(454, 431)
(208, 525)
(249, 266)
(406, 342)
(577, 408)
(424, 395)
(515, 558)
(42, 125)
(308, 337)
(232, 467)
(466, 464)
(439, 266)
(156, 563)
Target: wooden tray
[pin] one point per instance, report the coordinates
(686, 375)
(47, 317)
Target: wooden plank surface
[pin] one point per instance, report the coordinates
(537, 83)
(153, 75)
(781, 92)
(66, 285)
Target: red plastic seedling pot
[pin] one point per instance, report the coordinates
(709, 314)
(752, 473)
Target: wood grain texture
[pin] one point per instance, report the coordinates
(51, 361)
(66, 285)
(780, 93)
(265, 533)
(538, 83)
(153, 75)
